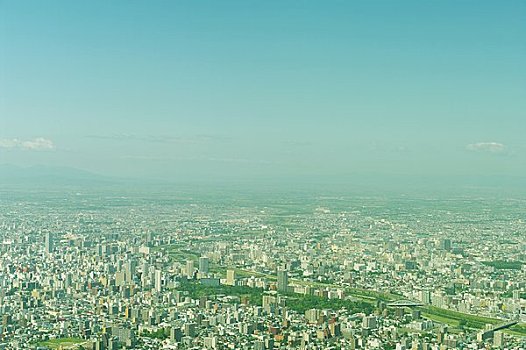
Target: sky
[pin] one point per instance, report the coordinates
(264, 89)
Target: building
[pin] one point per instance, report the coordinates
(312, 315)
(210, 342)
(190, 329)
(231, 277)
(283, 280)
(203, 265)
(125, 335)
(445, 244)
(176, 334)
(425, 296)
(120, 278)
(498, 340)
(158, 281)
(49, 242)
(369, 322)
(131, 269)
(190, 268)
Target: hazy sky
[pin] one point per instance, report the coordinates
(248, 89)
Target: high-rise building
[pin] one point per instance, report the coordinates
(190, 269)
(48, 244)
(231, 277)
(176, 334)
(130, 269)
(149, 238)
(210, 342)
(269, 342)
(203, 265)
(283, 280)
(445, 244)
(312, 315)
(189, 329)
(498, 340)
(68, 280)
(125, 335)
(425, 296)
(120, 278)
(259, 344)
(369, 322)
(416, 345)
(158, 281)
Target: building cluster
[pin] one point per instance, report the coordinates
(102, 272)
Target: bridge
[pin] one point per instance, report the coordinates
(490, 332)
(404, 303)
(505, 325)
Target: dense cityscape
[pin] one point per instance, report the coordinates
(88, 270)
(262, 175)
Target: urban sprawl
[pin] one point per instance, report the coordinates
(106, 271)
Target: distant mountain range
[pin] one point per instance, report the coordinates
(41, 177)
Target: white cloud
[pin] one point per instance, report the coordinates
(36, 144)
(488, 147)
(8, 143)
